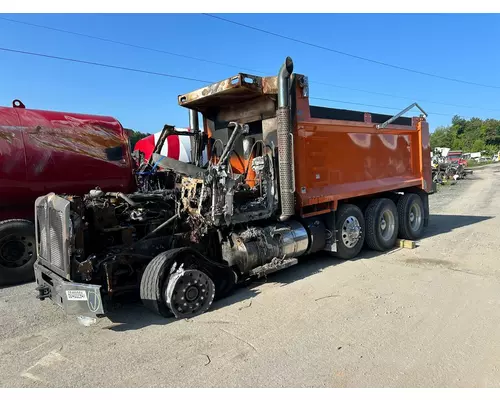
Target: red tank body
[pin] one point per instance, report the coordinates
(47, 151)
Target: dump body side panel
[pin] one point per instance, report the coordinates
(337, 160)
(425, 155)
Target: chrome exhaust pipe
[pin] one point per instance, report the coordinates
(194, 124)
(285, 142)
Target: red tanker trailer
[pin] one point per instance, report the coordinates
(47, 151)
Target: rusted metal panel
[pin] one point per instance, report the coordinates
(249, 111)
(239, 88)
(270, 85)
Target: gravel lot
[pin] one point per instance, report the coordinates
(427, 317)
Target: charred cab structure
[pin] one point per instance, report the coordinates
(284, 179)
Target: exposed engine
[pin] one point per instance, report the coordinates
(113, 235)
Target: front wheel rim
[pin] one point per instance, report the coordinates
(189, 293)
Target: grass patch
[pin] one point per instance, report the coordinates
(474, 164)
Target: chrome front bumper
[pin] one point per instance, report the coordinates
(73, 298)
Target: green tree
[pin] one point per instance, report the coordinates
(469, 135)
(134, 137)
(458, 144)
(442, 137)
(478, 145)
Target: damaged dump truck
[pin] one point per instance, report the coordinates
(283, 179)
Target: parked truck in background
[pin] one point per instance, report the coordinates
(456, 157)
(47, 151)
(283, 179)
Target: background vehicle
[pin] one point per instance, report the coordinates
(47, 151)
(455, 157)
(283, 179)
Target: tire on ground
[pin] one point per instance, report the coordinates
(411, 216)
(381, 218)
(17, 251)
(153, 282)
(350, 231)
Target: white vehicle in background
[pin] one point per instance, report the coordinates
(475, 156)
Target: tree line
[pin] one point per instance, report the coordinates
(469, 135)
(134, 137)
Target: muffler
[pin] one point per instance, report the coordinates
(285, 142)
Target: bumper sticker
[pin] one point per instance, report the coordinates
(78, 295)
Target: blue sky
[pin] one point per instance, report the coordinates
(459, 46)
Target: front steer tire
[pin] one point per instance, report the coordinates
(153, 281)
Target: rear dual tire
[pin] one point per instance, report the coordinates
(382, 224)
(349, 231)
(411, 216)
(378, 227)
(385, 221)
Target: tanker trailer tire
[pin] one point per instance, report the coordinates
(411, 216)
(350, 231)
(382, 224)
(17, 251)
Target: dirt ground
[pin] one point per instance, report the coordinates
(428, 317)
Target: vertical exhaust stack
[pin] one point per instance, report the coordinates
(285, 142)
(194, 126)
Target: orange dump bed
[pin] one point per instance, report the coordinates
(340, 159)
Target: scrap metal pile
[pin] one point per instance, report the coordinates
(447, 168)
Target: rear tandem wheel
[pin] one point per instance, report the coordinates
(382, 224)
(349, 231)
(411, 216)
